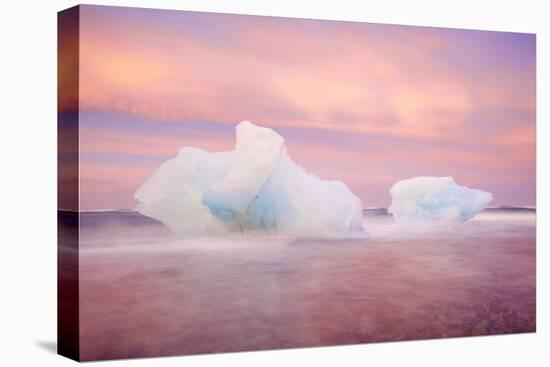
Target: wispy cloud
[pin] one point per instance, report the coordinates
(403, 100)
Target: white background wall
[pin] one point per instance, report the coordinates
(28, 182)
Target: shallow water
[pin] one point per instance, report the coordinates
(144, 292)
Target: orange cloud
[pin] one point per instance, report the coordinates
(277, 72)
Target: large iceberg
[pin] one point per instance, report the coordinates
(435, 199)
(256, 187)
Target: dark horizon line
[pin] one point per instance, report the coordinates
(524, 207)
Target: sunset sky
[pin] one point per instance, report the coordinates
(367, 104)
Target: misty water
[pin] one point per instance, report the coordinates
(144, 292)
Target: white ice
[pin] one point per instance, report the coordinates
(255, 188)
(428, 199)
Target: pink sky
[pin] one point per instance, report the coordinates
(364, 103)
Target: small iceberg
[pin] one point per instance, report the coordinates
(256, 187)
(435, 199)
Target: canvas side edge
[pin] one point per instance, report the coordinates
(68, 330)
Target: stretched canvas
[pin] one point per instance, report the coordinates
(235, 183)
